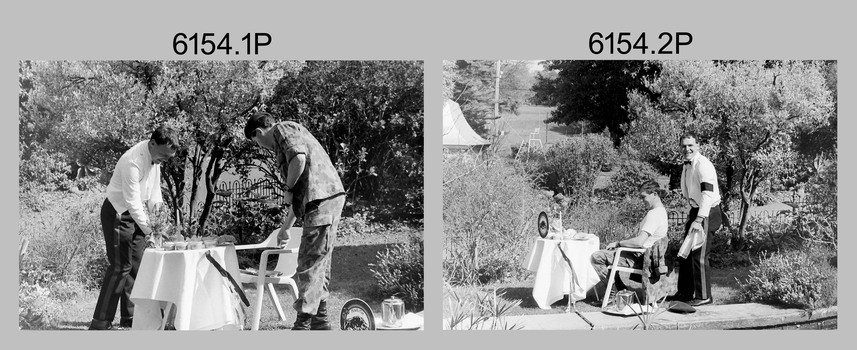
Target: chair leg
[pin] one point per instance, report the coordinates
(167, 310)
(609, 285)
(257, 307)
(274, 299)
(294, 289)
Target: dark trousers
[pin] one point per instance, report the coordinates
(125, 244)
(694, 272)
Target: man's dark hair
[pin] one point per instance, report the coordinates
(165, 135)
(258, 120)
(688, 135)
(652, 186)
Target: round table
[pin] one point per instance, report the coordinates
(553, 277)
(186, 280)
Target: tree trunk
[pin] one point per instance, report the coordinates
(212, 175)
(746, 200)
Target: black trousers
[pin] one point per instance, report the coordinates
(125, 245)
(694, 272)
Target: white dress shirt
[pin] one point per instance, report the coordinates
(693, 175)
(136, 182)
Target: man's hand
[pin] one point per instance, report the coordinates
(151, 242)
(696, 226)
(283, 236)
(612, 245)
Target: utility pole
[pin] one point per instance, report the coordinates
(497, 98)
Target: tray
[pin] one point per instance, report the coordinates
(628, 310)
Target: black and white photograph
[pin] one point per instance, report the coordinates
(640, 194)
(220, 195)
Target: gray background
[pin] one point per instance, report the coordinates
(429, 31)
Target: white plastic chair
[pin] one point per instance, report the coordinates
(282, 274)
(615, 268)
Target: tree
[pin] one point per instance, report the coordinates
(594, 91)
(475, 87)
(449, 78)
(744, 113)
(87, 111)
(368, 116)
(209, 102)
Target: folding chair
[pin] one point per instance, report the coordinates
(282, 274)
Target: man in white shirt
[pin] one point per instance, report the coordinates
(653, 228)
(135, 186)
(699, 186)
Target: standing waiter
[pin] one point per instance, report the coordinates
(134, 185)
(314, 192)
(699, 186)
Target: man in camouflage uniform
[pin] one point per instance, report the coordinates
(316, 194)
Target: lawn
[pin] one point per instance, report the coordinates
(350, 275)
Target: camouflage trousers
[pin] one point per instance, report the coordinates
(316, 252)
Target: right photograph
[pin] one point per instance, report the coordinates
(640, 195)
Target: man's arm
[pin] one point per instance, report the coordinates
(132, 197)
(707, 179)
(636, 242)
(296, 168)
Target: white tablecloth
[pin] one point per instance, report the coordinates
(188, 280)
(553, 278)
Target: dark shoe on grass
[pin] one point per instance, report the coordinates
(678, 297)
(319, 320)
(97, 325)
(700, 302)
(126, 323)
(302, 322)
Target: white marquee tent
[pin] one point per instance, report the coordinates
(457, 133)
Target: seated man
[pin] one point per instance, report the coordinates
(652, 228)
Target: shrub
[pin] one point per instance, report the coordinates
(37, 309)
(572, 166)
(799, 278)
(490, 207)
(628, 178)
(245, 221)
(399, 271)
(610, 220)
(64, 239)
(41, 169)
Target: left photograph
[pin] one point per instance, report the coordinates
(220, 195)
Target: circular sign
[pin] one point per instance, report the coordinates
(356, 316)
(543, 224)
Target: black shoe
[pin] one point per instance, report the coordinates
(678, 297)
(97, 325)
(319, 320)
(126, 322)
(700, 302)
(302, 322)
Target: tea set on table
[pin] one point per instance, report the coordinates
(357, 315)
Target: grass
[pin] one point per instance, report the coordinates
(350, 274)
(350, 278)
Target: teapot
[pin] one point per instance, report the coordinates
(392, 312)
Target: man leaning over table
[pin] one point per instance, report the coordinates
(653, 228)
(699, 186)
(135, 186)
(314, 192)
